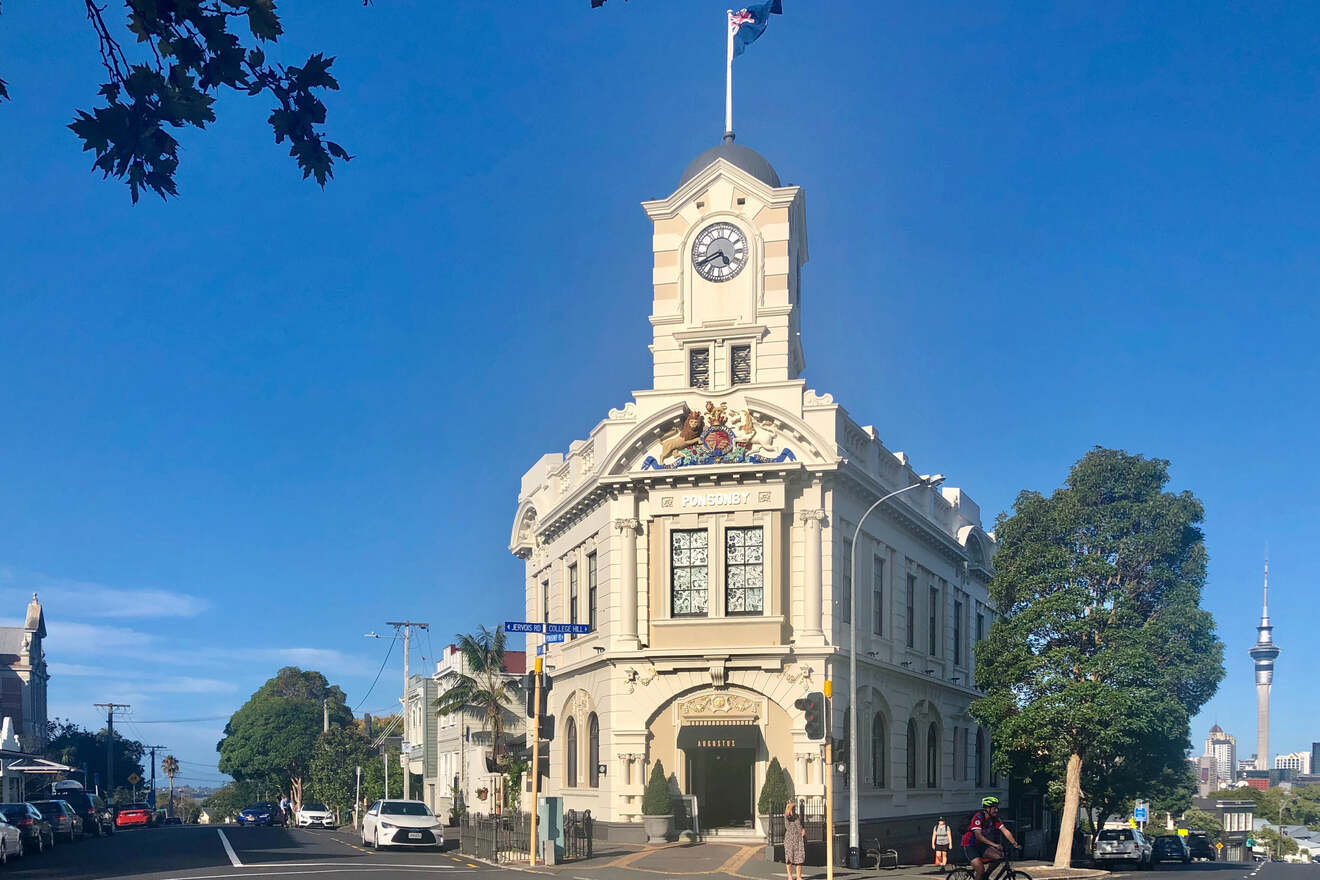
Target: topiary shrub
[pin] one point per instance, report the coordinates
(774, 791)
(657, 800)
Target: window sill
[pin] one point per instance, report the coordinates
(704, 620)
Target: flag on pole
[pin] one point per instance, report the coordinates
(749, 23)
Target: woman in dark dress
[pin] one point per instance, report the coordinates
(795, 840)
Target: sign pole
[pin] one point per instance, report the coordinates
(829, 776)
(536, 756)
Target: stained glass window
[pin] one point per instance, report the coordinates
(689, 567)
(744, 571)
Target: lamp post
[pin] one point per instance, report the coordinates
(854, 845)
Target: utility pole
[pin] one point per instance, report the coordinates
(829, 782)
(110, 744)
(407, 627)
(153, 750)
(536, 755)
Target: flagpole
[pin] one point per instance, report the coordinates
(728, 77)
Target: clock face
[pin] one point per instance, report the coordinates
(720, 252)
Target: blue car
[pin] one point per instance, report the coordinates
(261, 813)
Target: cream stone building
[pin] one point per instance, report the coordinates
(703, 530)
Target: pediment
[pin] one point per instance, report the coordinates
(717, 432)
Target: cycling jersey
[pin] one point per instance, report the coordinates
(983, 823)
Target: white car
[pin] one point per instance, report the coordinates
(314, 814)
(1122, 845)
(11, 841)
(401, 823)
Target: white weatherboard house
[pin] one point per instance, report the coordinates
(704, 529)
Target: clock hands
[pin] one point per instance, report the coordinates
(717, 253)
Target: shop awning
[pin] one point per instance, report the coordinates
(719, 736)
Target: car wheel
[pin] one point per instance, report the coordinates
(4, 852)
(41, 843)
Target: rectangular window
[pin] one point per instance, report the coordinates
(572, 595)
(744, 571)
(912, 611)
(933, 633)
(699, 367)
(957, 633)
(845, 583)
(591, 592)
(878, 595)
(740, 365)
(980, 627)
(689, 566)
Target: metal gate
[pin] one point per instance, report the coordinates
(578, 828)
(505, 838)
(813, 820)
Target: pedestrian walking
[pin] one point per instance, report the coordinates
(795, 840)
(941, 841)
(284, 808)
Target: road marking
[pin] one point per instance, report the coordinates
(233, 856)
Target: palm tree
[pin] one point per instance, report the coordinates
(486, 687)
(169, 765)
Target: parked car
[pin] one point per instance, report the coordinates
(1116, 845)
(97, 817)
(401, 823)
(1199, 844)
(38, 834)
(314, 814)
(62, 817)
(1170, 848)
(172, 820)
(133, 816)
(11, 842)
(261, 813)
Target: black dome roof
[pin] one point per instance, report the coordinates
(744, 157)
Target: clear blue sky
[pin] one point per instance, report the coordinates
(263, 419)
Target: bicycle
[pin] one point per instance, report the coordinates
(1002, 870)
(884, 857)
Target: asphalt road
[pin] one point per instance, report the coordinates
(199, 852)
(1224, 871)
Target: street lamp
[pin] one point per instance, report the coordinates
(928, 481)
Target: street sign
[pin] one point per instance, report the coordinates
(134, 779)
(577, 629)
(1139, 813)
(1182, 832)
(1219, 846)
(523, 626)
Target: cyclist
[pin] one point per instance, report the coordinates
(981, 840)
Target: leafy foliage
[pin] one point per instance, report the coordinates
(485, 685)
(229, 799)
(774, 791)
(657, 800)
(186, 54)
(1200, 820)
(1102, 653)
(1278, 844)
(76, 747)
(271, 738)
(332, 769)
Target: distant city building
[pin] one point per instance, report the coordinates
(1207, 775)
(23, 677)
(1315, 757)
(1264, 653)
(1223, 748)
(1298, 762)
(1246, 764)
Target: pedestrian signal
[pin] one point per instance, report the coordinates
(813, 707)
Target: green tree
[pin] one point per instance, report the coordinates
(180, 56)
(373, 774)
(657, 799)
(77, 747)
(332, 770)
(229, 799)
(484, 686)
(1102, 653)
(169, 765)
(774, 791)
(1278, 844)
(1200, 820)
(271, 738)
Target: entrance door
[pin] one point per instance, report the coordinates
(722, 780)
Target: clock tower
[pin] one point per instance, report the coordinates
(729, 246)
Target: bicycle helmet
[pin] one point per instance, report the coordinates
(991, 801)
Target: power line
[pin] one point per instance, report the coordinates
(184, 720)
(378, 672)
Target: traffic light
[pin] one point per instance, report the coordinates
(547, 729)
(813, 707)
(529, 685)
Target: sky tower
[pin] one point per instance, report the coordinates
(1264, 653)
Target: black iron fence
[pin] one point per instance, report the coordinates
(812, 810)
(504, 838)
(578, 828)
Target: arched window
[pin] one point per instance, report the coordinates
(980, 757)
(878, 752)
(570, 754)
(932, 756)
(911, 754)
(593, 751)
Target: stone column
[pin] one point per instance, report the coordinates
(813, 579)
(627, 528)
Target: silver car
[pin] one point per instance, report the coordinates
(1122, 845)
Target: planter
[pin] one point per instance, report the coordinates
(658, 827)
(763, 822)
